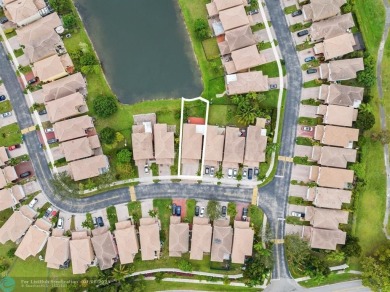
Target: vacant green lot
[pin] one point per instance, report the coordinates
(10, 135)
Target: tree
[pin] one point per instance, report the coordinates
(381, 136)
(70, 21)
(120, 272)
(297, 251)
(352, 247)
(317, 265)
(367, 76)
(88, 59)
(365, 120)
(88, 223)
(11, 252)
(232, 210)
(105, 106)
(201, 28)
(153, 213)
(184, 265)
(124, 156)
(213, 210)
(107, 135)
(376, 269)
(257, 269)
(61, 6)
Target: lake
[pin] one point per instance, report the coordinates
(144, 48)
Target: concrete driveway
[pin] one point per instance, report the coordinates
(164, 170)
(298, 191)
(300, 173)
(67, 219)
(41, 201)
(310, 93)
(295, 208)
(31, 187)
(18, 151)
(23, 60)
(57, 153)
(302, 151)
(302, 133)
(146, 206)
(293, 20)
(302, 55)
(3, 91)
(308, 111)
(122, 212)
(268, 55)
(14, 42)
(299, 40)
(189, 169)
(293, 229)
(8, 120)
(78, 220)
(101, 213)
(309, 77)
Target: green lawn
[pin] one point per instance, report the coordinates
(312, 83)
(164, 212)
(222, 115)
(256, 218)
(304, 141)
(215, 86)
(190, 204)
(290, 9)
(10, 135)
(210, 48)
(135, 209)
(4, 215)
(167, 286)
(5, 106)
(18, 52)
(270, 69)
(112, 217)
(331, 279)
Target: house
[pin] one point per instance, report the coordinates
(40, 39)
(57, 254)
(221, 247)
(17, 224)
(23, 12)
(7, 176)
(234, 148)
(149, 233)
(126, 241)
(241, 83)
(104, 247)
(4, 158)
(341, 95)
(34, 240)
(325, 218)
(318, 10)
(339, 70)
(214, 146)
(201, 238)
(242, 242)
(64, 87)
(178, 237)
(256, 143)
(336, 46)
(333, 156)
(337, 115)
(244, 59)
(88, 167)
(214, 7)
(235, 39)
(7, 200)
(331, 177)
(191, 151)
(233, 17)
(164, 144)
(323, 238)
(142, 143)
(81, 252)
(81, 148)
(328, 198)
(336, 136)
(52, 68)
(66, 107)
(331, 27)
(74, 128)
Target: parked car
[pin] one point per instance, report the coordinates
(95, 222)
(230, 172)
(250, 173)
(206, 170)
(178, 210)
(6, 115)
(173, 209)
(2, 97)
(256, 171)
(48, 211)
(235, 172)
(33, 202)
(52, 141)
(244, 214)
(32, 81)
(296, 13)
(303, 33)
(297, 214)
(201, 214)
(197, 209)
(244, 172)
(3, 20)
(255, 11)
(13, 147)
(25, 174)
(42, 112)
(60, 223)
(100, 221)
(223, 212)
(307, 128)
(212, 169)
(273, 86)
(311, 71)
(309, 59)
(146, 169)
(49, 130)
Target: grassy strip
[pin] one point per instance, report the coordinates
(164, 286)
(296, 221)
(290, 9)
(18, 52)
(10, 135)
(5, 106)
(304, 141)
(303, 160)
(312, 83)
(135, 210)
(298, 201)
(256, 215)
(299, 26)
(309, 121)
(190, 203)
(112, 216)
(331, 279)
(311, 101)
(304, 46)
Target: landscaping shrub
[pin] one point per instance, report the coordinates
(107, 135)
(11, 252)
(105, 106)
(185, 265)
(124, 156)
(365, 120)
(70, 21)
(201, 28)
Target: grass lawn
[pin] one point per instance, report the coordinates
(5, 106)
(164, 212)
(18, 52)
(135, 209)
(331, 279)
(304, 141)
(312, 83)
(222, 115)
(211, 49)
(4, 215)
(309, 121)
(112, 217)
(270, 69)
(215, 86)
(166, 286)
(10, 135)
(256, 215)
(290, 9)
(190, 203)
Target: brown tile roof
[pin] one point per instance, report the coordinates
(341, 95)
(89, 167)
(341, 69)
(149, 234)
(326, 218)
(73, 128)
(14, 227)
(80, 148)
(178, 237)
(164, 144)
(328, 198)
(142, 143)
(104, 247)
(246, 82)
(7, 175)
(214, 145)
(242, 241)
(18, 192)
(81, 252)
(254, 147)
(66, 107)
(336, 136)
(339, 115)
(331, 27)
(321, 9)
(233, 17)
(64, 87)
(51, 68)
(3, 182)
(21, 10)
(334, 156)
(234, 147)
(57, 251)
(214, 7)
(40, 39)
(201, 238)
(244, 59)
(126, 241)
(325, 239)
(336, 46)
(3, 156)
(7, 200)
(239, 38)
(221, 247)
(334, 177)
(192, 143)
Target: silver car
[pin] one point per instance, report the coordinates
(7, 114)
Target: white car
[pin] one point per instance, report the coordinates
(297, 214)
(33, 202)
(49, 130)
(60, 223)
(7, 114)
(201, 214)
(146, 169)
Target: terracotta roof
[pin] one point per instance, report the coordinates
(80, 148)
(7, 175)
(164, 144)
(14, 228)
(239, 38)
(336, 136)
(325, 239)
(126, 241)
(246, 82)
(52, 68)
(336, 46)
(244, 59)
(66, 107)
(89, 167)
(334, 156)
(328, 198)
(201, 238)
(221, 247)
(178, 237)
(7, 200)
(192, 142)
(142, 143)
(18, 192)
(57, 251)
(234, 147)
(331, 177)
(341, 95)
(321, 9)
(331, 27)
(233, 17)
(338, 115)
(3, 156)
(20, 10)
(242, 242)
(149, 234)
(104, 247)
(73, 128)
(64, 87)
(255, 146)
(214, 145)
(214, 7)
(326, 218)
(341, 69)
(81, 252)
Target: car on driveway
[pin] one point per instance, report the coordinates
(32, 81)
(197, 209)
(273, 86)
(311, 71)
(309, 59)
(42, 112)
(100, 221)
(178, 210)
(206, 170)
(244, 215)
(296, 13)
(201, 214)
(307, 128)
(223, 212)
(2, 97)
(49, 130)
(212, 169)
(235, 172)
(297, 214)
(244, 172)
(60, 223)
(173, 209)
(3, 20)
(250, 173)
(146, 169)
(48, 212)
(13, 147)
(52, 141)
(255, 11)
(25, 174)
(6, 115)
(256, 171)
(303, 33)
(33, 202)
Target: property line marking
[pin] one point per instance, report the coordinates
(133, 196)
(278, 241)
(28, 130)
(254, 196)
(285, 158)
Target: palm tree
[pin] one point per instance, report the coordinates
(236, 99)
(120, 272)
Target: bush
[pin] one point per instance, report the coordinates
(105, 106)
(70, 21)
(124, 156)
(185, 266)
(107, 135)
(11, 252)
(88, 59)
(365, 120)
(201, 29)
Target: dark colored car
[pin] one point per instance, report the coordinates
(178, 211)
(296, 13)
(309, 59)
(206, 170)
(250, 173)
(32, 81)
(302, 33)
(100, 221)
(173, 209)
(273, 86)
(48, 211)
(223, 211)
(3, 20)
(52, 141)
(42, 112)
(244, 214)
(2, 97)
(197, 209)
(311, 71)
(25, 174)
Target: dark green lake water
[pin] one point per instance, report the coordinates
(144, 48)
